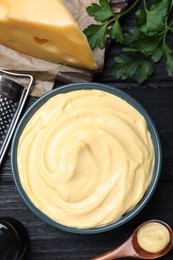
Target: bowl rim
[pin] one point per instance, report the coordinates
(155, 139)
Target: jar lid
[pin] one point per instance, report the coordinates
(9, 242)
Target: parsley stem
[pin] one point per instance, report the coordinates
(117, 16)
(145, 6)
(130, 8)
(165, 35)
(112, 20)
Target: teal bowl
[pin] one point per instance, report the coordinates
(154, 136)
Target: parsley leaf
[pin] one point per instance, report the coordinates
(168, 56)
(169, 63)
(132, 36)
(140, 17)
(128, 67)
(157, 54)
(96, 35)
(155, 17)
(116, 32)
(140, 41)
(125, 67)
(144, 70)
(100, 12)
(143, 45)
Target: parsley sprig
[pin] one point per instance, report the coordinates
(144, 45)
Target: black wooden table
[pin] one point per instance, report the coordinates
(49, 243)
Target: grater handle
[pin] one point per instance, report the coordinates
(17, 113)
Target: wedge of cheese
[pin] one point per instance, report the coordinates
(44, 29)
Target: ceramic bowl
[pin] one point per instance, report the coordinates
(155, 139)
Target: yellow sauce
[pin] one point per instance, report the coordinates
(85, 158)
(153, 237)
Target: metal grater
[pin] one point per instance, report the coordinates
(12, 100)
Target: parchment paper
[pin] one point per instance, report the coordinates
(45, 72)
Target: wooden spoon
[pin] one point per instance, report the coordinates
(131, 248)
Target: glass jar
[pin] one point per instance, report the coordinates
(13, 239)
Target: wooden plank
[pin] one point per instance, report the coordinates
(48, 243)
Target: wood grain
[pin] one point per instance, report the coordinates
(48, 243)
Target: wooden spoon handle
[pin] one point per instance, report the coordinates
(122, 251)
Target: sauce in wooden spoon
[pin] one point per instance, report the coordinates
(132, 249)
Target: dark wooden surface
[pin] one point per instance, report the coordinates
(48, 243)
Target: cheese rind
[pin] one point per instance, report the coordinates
(44, 29)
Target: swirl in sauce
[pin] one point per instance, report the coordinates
(85, 158)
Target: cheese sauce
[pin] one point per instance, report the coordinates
(85, 158)
(153, 237)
